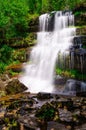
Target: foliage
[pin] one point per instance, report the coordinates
(30, 39)
(35, 6)
(13, 18)
(19, 55)
(71, 73)
(5, 57)
(5, 54)
(50, 5)
(11, 123)
(46, 112)
(10, 57)
(2, 67)
(14, 14)
(32, 17)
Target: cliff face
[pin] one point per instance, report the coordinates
(80, 19)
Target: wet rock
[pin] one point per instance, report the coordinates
(43, 95)
(46, 112)
(29, 123)
(59, 80)
(15, 86)
(55, 126)
(78, 54)
(65, 103)
(65, 115)
(75, 86)
(62, 103)
(26, 110)
(62, 113)
(24, 104)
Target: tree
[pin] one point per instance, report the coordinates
(13, 20)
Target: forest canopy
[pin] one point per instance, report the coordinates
(12, 18)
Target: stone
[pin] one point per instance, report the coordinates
(65, 102)
(44, 95)
(28, 123)
(59, 80)
(65, 115)
(15, 86)
(75, 86)
(52, 125)
(46, 112)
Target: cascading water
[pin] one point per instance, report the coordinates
(39, 73)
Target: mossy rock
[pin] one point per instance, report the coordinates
(15, 86)
(81, 30)
(46, 112)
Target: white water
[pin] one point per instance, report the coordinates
(39, 73)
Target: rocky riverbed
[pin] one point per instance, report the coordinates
(20, 110)
(42, 111)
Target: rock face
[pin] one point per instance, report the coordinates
(80, 14)
(78, 54)
(15, 86)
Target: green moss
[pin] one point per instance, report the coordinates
(71, 74)
(82, 26)
(46, 112)
(33, 17)
(2, 67)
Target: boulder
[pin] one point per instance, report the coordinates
(28, 123)
(75, 86)
(52, 125)
(15, 86)
(59, 80)
(65, 115)
(43, 95)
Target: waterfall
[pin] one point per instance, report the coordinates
(39, 73)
